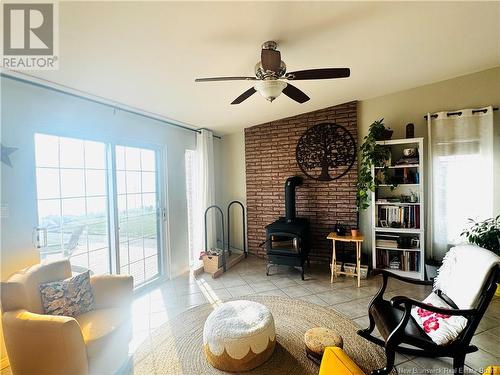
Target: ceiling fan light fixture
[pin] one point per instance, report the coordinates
(270, 89)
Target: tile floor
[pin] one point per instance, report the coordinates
(248, 278)
(162, 302)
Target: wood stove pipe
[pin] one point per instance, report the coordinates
(290, 184)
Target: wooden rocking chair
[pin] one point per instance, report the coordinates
(397, 327)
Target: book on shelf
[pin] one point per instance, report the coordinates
(405, 161)
(407, 216)
(406, 260)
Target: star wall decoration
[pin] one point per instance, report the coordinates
(6, 152)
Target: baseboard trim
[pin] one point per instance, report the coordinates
(4, 363)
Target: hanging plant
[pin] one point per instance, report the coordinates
(373, 154)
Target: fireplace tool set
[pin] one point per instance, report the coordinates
(224, 258)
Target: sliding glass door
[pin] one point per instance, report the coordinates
(138, 212)
(103, 216)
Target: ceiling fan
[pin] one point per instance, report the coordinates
(270, 72)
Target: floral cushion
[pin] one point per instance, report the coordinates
(70, 297)
(441, 328)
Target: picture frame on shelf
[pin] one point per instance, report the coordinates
(384, 224)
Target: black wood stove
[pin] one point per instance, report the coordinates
(287, 239)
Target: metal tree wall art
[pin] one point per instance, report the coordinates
(326, 152)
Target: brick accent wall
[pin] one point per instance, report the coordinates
(270, 160)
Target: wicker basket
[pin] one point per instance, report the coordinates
(211, 263)
(350, 267)
(364, 271)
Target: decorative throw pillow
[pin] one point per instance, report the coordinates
(441, 328)
(70, 297)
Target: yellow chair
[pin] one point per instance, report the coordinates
(95, 342)
(336, 362)
(492, 370)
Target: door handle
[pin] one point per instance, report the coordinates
(39, 237)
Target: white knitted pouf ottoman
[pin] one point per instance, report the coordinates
(239, 336)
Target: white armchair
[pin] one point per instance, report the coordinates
(95, 342)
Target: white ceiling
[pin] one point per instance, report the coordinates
(147, 55)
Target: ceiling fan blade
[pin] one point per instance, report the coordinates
(325, 73)
(270, 59)
(294, 93)
(244, 96)
(213, 79)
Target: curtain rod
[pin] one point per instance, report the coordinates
(459, 113)
(118, 106)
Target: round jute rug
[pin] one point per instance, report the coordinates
(177, 346)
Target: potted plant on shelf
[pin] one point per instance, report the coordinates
(485, 234)
(372, 154)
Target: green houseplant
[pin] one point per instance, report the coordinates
(372, 154)
(485, 234)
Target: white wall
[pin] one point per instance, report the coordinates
(398, 109)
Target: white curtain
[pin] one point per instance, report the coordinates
(204, 191)
(461, 181)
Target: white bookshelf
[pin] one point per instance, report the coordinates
(411, 258)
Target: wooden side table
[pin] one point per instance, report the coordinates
(333, 266)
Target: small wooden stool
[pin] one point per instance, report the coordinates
(357, 240)
(317, 339)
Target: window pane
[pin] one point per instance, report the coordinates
(95, 155)
(97, 208)
(47, 183)
(72, 183)
(148, 182)
(80, 260)
(134, 227)
(123, 225)
(99, 261)
(121, 185)
(71, 155)
(97, 223)
(125, 271)
(149, 203)
(47, 150)
(134, 205)
(50, 219)
(137, 271)
(74, 240)
(150, 245)
(149, 225)
(151, 267)
(73, 212)
(133, 182)
(124, 254)
(96, 182)
(148, 160)
(49, 213)
(120, 158)
(132, 158)
(135, 250)
(122, 205)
